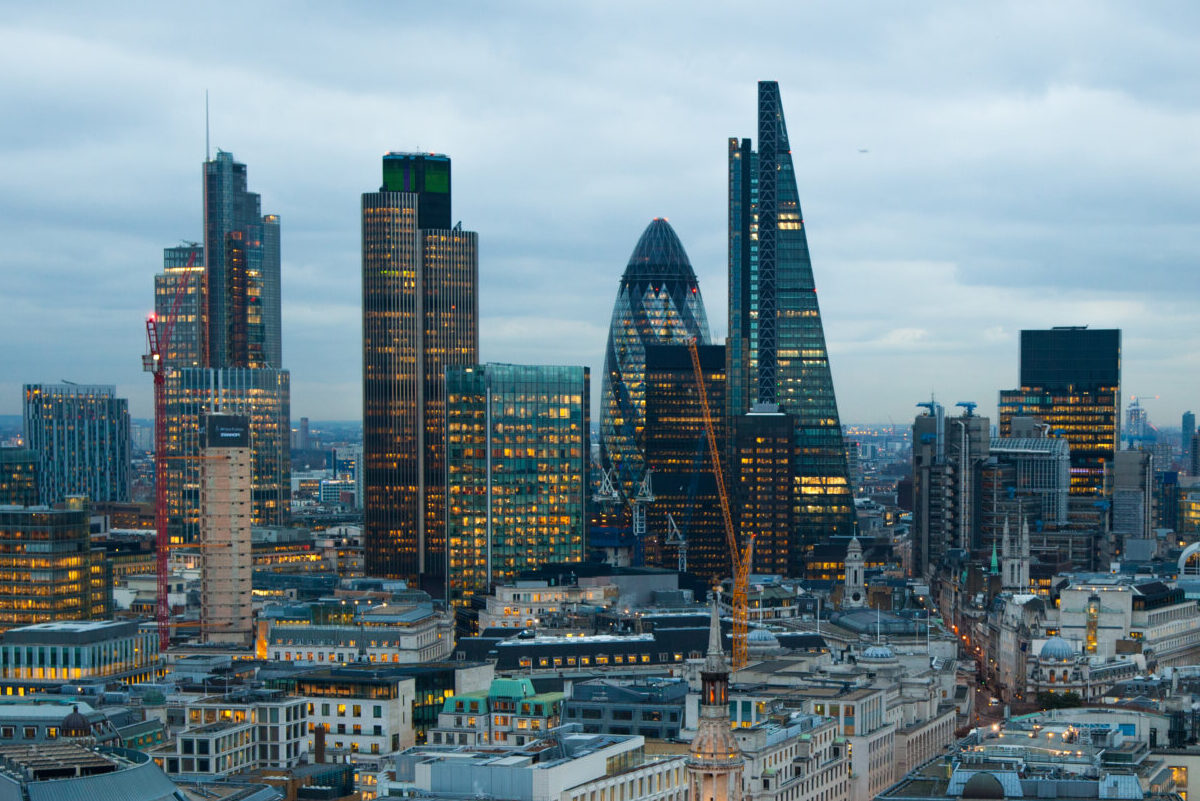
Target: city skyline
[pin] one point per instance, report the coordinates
(991, 198)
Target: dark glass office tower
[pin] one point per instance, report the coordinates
(243, 276)
(677, 452)
(658, 303)
(1071, 380)
(420, 283)
(776, 347)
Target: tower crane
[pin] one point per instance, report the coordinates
(739, 558)
(675, 537)
(158, 340)
(610, 491)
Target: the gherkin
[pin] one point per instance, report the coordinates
(658, 303)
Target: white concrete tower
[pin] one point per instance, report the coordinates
(715, 764)
(854, 594)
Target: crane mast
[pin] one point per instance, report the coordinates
(739, 559)
(158, 342)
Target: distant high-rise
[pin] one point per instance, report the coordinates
(420, 283)
(676, 451)
(225, 517)
(516, 472)
(81, 436)
(1188, 431)
(1071, 380)
(776, 347)
(658, 303)
(947, 455)
(242, 262)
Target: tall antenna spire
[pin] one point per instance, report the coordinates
(207, 149)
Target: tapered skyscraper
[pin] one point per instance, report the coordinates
(776, 347)
(220, 300)
(243, 270)
(658, 303)
(420, 282)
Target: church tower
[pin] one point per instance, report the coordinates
(854, 595)
(715, 764)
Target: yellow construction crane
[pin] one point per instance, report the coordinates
(739, 558)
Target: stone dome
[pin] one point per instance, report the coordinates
(75, 725)
(983, 785)
(878, 652)
(761, 641)
(1057, 649)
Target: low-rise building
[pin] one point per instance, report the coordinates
(794, 757)
(73, 771)
(384, 633)
(244, 729)
(527, 604)
(651, 707)
(511, 711)
(364, 709)
(572, 766)
(44, 656)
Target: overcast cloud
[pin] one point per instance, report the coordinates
(1028, 165)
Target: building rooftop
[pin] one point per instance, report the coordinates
(73, 632)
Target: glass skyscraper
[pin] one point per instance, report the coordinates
(658, 303)
(516, 471)
(242, 270)
(225, 347)
(420, 283)
(776, 348)
(1071, 380)
(80, 434)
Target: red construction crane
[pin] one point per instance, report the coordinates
(159, 341)
(739, 558)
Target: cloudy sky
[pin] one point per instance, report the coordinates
(1028, 165)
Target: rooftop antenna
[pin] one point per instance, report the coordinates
(207, 150)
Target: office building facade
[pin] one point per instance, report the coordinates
(1071, 380)
(516, 472)
(677, 456)
(183, 278)
(18, 477)
(776, 347)
(64, 579)
(658, 303)
(763, 463)
(420, 285)
(263, 396)
(81, 436)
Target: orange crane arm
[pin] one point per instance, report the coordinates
(739, 559)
